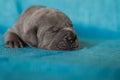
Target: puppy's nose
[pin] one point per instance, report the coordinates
(70, 38)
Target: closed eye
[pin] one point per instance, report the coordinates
(54, 29)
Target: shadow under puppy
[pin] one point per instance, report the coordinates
(42, 27)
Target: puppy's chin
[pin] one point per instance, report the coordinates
(63, 45)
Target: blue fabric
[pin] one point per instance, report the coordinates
(97, 23)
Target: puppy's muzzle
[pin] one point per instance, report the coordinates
(66, 39)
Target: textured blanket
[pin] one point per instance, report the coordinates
(97, 23)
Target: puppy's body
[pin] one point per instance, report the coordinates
(42, 27)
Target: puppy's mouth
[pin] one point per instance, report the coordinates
(65, 40)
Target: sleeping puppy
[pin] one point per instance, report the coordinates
(42, 27)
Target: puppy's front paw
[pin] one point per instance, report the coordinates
(14, 44)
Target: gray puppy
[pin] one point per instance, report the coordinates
(42, 27)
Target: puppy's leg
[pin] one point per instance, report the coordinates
(30, 37)
(12, 40)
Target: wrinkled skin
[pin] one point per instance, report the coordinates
(42, 27)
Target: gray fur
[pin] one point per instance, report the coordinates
(42, 27)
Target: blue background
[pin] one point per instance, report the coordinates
(97, 24)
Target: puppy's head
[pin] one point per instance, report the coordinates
(60, 39)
